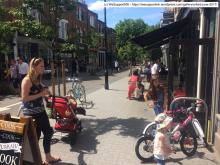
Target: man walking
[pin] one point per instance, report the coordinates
(22, 69)
(155, 69)
(116, 65)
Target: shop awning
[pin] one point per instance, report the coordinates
(161, 34)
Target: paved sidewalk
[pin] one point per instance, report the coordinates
(111, 129)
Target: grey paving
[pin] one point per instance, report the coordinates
(111, 129)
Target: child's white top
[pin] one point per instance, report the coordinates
(162, 148)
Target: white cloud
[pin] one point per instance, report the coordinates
(97, 5)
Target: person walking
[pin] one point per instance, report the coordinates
(14, 75)
(32, 93)
(116, 65)
(155, 69)
(22, 69)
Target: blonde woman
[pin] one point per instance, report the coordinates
(32, 93)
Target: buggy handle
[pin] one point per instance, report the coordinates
(52, 96)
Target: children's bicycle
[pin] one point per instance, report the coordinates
(79, 93)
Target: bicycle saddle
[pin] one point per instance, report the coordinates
(75, 79)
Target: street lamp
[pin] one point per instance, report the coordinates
(105, 43)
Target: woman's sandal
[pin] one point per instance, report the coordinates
(52, 161)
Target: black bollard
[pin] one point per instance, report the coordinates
(106, 79)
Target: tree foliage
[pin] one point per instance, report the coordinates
(125, 31)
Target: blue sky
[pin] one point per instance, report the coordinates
(150, 16)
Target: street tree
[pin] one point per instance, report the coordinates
(125, 31)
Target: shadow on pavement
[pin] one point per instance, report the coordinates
(63, 163)
(117, 90)
(2, 98)
(198, 154)
(87, 140)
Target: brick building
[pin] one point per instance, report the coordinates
(79, 26)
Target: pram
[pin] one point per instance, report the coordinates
(64, 111)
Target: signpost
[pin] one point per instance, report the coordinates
(18, 141)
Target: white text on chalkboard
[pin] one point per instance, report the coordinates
(8, 159)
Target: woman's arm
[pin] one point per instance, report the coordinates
(25, 90)
(146, 96)
(165, 100)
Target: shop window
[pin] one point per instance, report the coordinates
(211, 22)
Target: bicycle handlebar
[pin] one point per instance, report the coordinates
(197, 102)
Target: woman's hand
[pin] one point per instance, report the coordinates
(45, 92)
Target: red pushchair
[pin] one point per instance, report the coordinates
(64, 111)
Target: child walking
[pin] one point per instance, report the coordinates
(162, 147)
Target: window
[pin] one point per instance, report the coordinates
(63, 29)
(92, 21)
(79, 15)
(81, 35)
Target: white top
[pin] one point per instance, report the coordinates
(159, 151)
(116, 63)
(23, 68)
(155, 69)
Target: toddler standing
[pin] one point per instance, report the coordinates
(162, 147)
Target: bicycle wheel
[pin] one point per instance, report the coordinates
(87, 104)
(79, 92)
(73, 85)
(188, 144)
(144, 148)
(70, 93)
(150, 129)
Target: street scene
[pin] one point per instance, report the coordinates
(92, 83)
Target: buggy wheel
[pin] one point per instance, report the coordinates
(73, 85)
(188, 144)
(79, 126)
(144, 148)
(73, 137)
(87, 105)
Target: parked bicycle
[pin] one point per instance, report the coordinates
(79, 93)
(185, 130)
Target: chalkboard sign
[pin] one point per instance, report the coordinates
(18, 141)
(10, 147)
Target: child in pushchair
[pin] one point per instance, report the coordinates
(64, 111)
